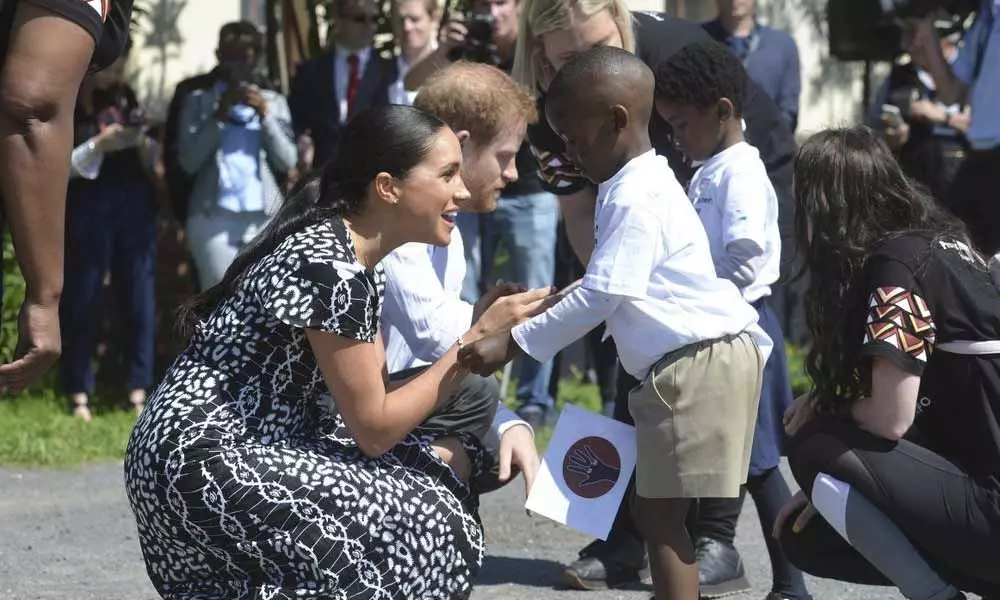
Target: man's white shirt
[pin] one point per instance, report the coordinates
(422, 313)
(738, 207)
(650, 278)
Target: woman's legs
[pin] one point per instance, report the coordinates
(133, 272)
(88, 253)
(941, 512)
(770, 493)
(215, 239)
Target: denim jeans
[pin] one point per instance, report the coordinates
(526, 226)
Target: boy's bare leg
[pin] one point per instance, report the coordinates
(671, 554)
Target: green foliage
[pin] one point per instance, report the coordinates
(37, 430)
(797, 369)
(13, 295)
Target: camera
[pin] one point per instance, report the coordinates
(479, 46)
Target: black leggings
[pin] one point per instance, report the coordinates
(951, 520)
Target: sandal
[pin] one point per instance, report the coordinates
(80, 408)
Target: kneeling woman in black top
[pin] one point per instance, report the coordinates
(898, 445)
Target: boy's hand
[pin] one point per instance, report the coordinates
(486, 355)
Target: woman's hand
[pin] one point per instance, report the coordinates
(500, 290)
(802, 410)
(798, 502)
(508, 311)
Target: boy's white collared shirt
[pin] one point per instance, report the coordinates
(650, 277)
(735, 200)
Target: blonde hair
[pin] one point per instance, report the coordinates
(478, 98)
(539, 17)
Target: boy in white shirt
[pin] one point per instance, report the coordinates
(699, 91)
(684, 332)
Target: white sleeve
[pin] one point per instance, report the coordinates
(544, 335)
(86, 160)
(505, 419)
(628, 242)
(428, 318)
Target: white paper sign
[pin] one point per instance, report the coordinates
(585, 471)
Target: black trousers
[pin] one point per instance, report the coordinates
(949, 517)
(470, 409)
(974, 198)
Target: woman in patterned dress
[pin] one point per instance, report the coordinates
(243, 482)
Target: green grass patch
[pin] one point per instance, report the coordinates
(39, 431)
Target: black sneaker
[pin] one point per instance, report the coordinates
(604, 565)
(720, 569)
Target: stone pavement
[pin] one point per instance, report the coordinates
(69, 535)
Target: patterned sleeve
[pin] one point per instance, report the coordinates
(311, 288)
(899, 325)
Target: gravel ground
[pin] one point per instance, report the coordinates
(69, 535)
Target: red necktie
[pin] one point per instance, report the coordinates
(353, 81)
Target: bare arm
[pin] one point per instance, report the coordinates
(379, 418)
(46, 60)
(578, 215)
(38, 92)
(890, 410)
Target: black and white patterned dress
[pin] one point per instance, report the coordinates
(244, 486)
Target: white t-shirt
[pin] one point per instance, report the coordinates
(650, 277)
(422, 313)
(737, 205)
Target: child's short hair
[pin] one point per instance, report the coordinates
(477, 98)
(700, 75)
(603, 73)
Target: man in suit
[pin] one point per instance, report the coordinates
(349, 78)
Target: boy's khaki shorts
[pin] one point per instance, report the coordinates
(694, 419)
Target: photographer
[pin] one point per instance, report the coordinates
(927, 135)
(973, 76)
(236, 139)
(527, 216)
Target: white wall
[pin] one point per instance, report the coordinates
(831, 90)
(190, 29)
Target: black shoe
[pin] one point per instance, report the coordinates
(720, 569)
(777, 596)
(604, 565)
(535, 415)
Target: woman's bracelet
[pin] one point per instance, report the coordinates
(460, 342)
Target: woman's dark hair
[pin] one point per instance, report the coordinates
(389, 139)
(850, 196)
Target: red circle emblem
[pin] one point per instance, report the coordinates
(591, 467)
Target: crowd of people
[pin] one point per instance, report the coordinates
(334, 418)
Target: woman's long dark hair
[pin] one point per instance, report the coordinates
(390, 139)
(850, 195)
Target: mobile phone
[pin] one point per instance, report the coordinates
(892, 116)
